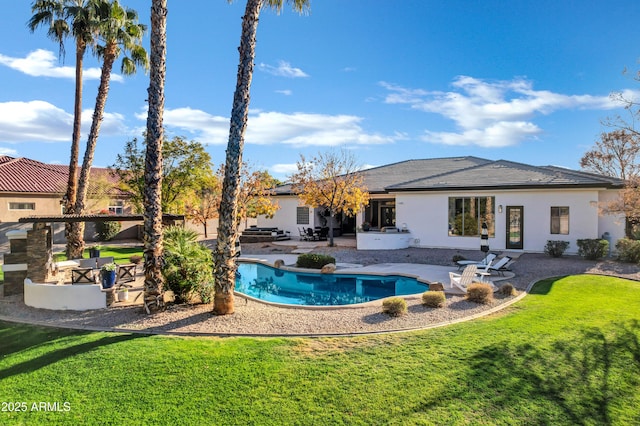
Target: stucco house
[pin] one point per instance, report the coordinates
(443, 202)
(31, 188)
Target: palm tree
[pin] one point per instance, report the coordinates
(224, 254)
(153, 243)
(119, 32)
(56, 14)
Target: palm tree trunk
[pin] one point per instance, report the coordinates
(76, 238)
(153, 243)
(224, 255)
(72, 183)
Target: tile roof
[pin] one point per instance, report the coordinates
(24, 175)
(472, 172)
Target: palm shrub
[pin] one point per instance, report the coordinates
(556, 248)
(187, 265)
(433, 299)
(592, 248)
(394, 306)
(628, 250)
(480, 293)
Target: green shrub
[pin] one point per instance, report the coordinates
(394, 306)
(457, 258)
(556, 248)
(507, 289)
(628, 250)
(434, 299)
(480, 293)
(314, 261)
(107, 230)
(592, 248)
(187, 265)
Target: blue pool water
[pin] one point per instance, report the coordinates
(302, 288)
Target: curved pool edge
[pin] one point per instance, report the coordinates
(246, 259)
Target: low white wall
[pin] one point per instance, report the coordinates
(373, 240)
(78, 297)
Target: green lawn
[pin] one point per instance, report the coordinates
(119, 254)
(569, 353)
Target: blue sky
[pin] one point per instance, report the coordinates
(525, 81)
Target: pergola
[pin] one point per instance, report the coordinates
(31, 251)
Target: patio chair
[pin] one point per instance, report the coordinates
(126, 273)
(311, 235)
(480, 264)
(323, 234)
(463, 280)
(87, 263)
(83, 276)
(101, 261)
(500, 266)
(303, 234)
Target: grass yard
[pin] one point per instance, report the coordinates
(120, 254)
(569, 353)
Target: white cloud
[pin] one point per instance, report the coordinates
(44, 122)
(8, 151)
(491, 113)
(285, 92)
(283, 69)
(284, 169)
(41, 63)
(268, 128)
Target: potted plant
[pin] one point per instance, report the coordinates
(95, 251)
(108, 275)
(366, 226)
(123, 294)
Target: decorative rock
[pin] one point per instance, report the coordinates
(278, 263)
(329, 268)
(436, 286)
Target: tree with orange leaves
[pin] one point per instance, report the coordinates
(331, 181)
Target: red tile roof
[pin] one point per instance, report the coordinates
(26, 175)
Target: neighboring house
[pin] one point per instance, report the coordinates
(443, 202)
(30, 188)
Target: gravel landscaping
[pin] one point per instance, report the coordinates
(255, 318)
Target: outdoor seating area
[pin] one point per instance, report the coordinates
(479, 271)
(314, 234)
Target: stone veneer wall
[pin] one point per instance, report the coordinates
(30, 256)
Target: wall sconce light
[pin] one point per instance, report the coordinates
(500, 208)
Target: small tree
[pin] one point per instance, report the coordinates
(185, 164)
(253, 198)
(615, 155)
(331, 181)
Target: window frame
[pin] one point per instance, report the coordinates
(458, 207)
(558, 220)
(16, 203)
(300, 214)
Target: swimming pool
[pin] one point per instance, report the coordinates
(307, 288)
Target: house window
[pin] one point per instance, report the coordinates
(22, 206)
(116, 207)
(560, 220)
(467, 214)
(302, 215)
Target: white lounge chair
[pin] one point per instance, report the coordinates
(480, 264)
(463, 280)
(500, 266)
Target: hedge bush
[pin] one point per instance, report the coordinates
(628, 250)
(592, 248)
(394, 306)
(107, 230)
(314, 261)
(556, 248)
(507, 289)
(434, 299)
(480, 293)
